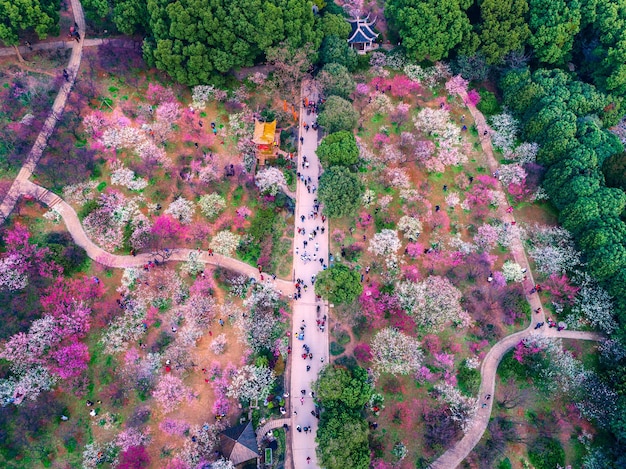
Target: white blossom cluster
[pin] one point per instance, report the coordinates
(201, 94)
(411, 227)
(211, 204)
(505, 129)
(251, 383)
(512, 271)
(396, 353)
(269, 180)
(80, 193)
(385, 243)
(53, 215)
(552, 249)
(432, 303)
(511, 174)
(120, 175)
(462, 408)
(12, 276)
(369, 196)
(594, 303)
(127, 327)
(182, 210)
(225, 242)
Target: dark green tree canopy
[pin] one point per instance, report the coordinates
(503, 29)
(335, 49)
(614, 169)
(342, 440)
(197, 40)
(430, 29)
(338, 149)
(335, 79)
(553, 25)
(338, 114)
(338, 284)
(17, 16)
(339, 387)
(340, 192)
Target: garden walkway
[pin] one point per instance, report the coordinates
(75, 228)
(271, 425)
(70, 43)
(305, 309)
(455, 455)
(48, 127)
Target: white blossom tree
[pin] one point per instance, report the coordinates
(211, 204)
(182, 210)
(432, 303)
(595, 304)
(385, 243)
(505, 129)
(552, 249)
(269, 180)
(225, 242)
(396, 353)
(512, 271)
(462, 408)
(251, 383)
(432, 121)
(411, 227)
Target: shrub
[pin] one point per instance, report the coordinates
(546, 453)
(336, 349)
(468, 380)
(488, 104)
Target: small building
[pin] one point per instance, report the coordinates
(362, 36)
(265, 138)
(239, 443)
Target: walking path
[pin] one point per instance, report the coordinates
(271, 425)
(305, 308)
(70, 44)
(75, 228)
(48, 127)
(454, 456)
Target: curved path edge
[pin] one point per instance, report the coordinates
(10, 199)
(454, 456)
(75, 228)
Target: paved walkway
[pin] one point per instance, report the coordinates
(48, 127)
(457, 453)
(305, 308)
(69, 44)
(75, 228)
(271, 425)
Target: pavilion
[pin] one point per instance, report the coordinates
(239, 443)
(362, 36)
(265, 138)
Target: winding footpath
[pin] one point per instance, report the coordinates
(453, 457)
(50, 123)
(75, 228)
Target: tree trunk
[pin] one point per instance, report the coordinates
(19, 55)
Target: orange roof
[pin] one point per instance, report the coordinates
(264, 132)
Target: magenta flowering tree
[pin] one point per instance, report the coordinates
(22, 259)
(71, 360)
(381, 139)
(402, 86)
(457, 85)
(170, 391)
(473, 98)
